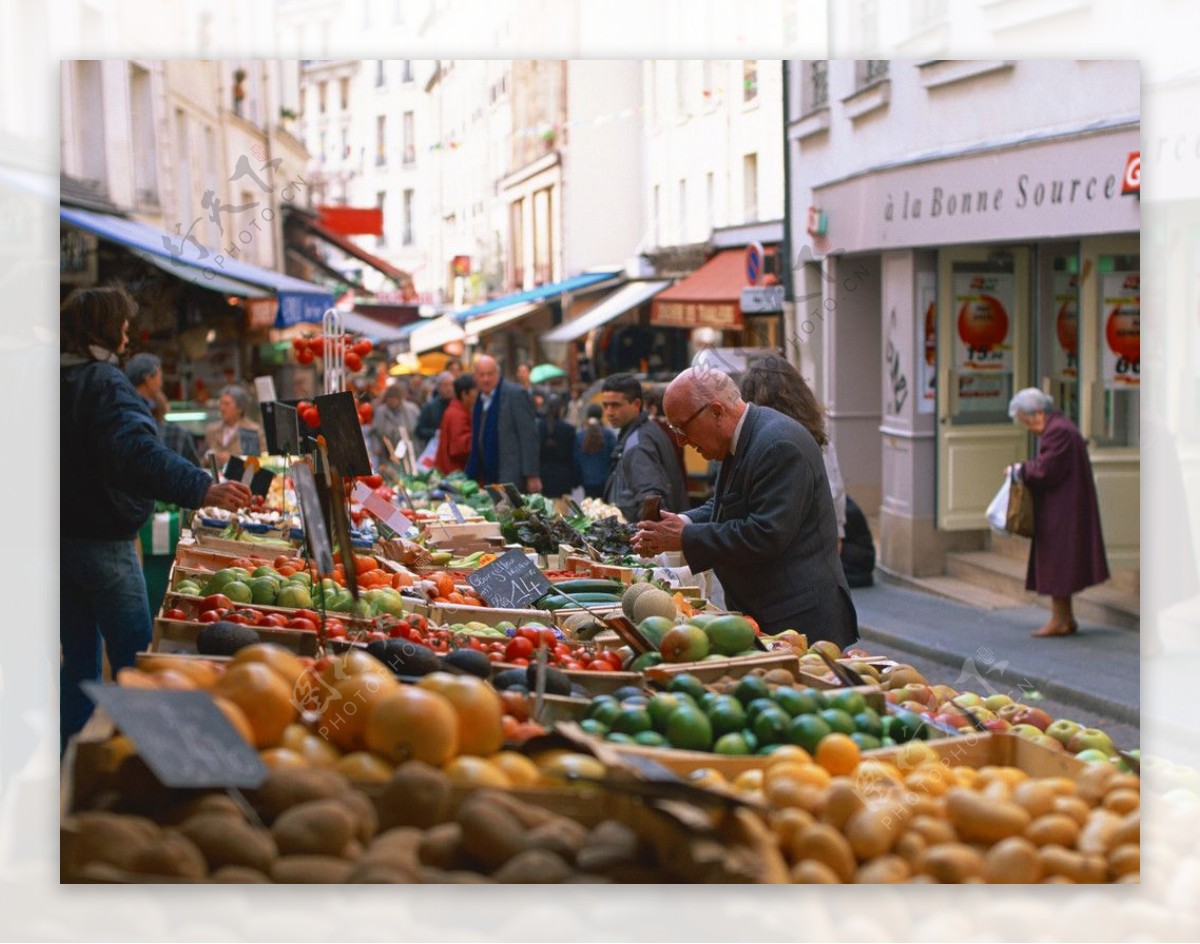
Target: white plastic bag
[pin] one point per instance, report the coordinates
(997, 511)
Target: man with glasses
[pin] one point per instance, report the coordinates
(643, 463)
(769, 531)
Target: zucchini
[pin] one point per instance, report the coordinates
(588, 585)
(556, 601)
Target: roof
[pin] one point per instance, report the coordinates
(539, 295)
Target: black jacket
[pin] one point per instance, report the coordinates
(114, 466)
(644, 464)
(555, 456)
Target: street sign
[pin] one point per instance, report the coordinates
(754, 263)
(762, 300)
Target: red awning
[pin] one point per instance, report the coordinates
(709, 297)
(352, 221)
(399, 276)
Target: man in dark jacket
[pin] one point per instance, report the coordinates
(769, 531)
(504, 436)
(430, 419)
(145, 373)
(644, 462)
(113, 469)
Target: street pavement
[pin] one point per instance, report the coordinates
(1097, 669)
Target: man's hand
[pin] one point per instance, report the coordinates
(533, 485)
(228, 495)
(655, 537)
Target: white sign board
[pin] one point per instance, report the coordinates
(763, 300)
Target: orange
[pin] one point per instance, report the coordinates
(837, 753)
(278, 757)
(748, 780)
(346, 705)
(519, 769)
(788, 753)
(476, 772)
(200, 671)
(364, 563)
(365, 767)
(412, 723)
(130, 677)
(236, 717)
(264, 698)
(283, 662)
(174, 680)
(354, 662)
(478, 707)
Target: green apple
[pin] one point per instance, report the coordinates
(301, 577)
(1025, 730)
(1063, 730)
(1089, 739)
(1093, 755)
(238, 592)
(997, 701)
(1010, 710)
(967, 700)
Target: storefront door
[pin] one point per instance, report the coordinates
(1056, 338)
(983, 359)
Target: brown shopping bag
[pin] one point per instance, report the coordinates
(1019, 519)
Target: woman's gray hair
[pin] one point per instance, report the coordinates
(1029, 401)
(239, 396)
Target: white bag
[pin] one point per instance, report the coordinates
(429, 455)
(997, 511)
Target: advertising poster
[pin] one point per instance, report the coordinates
(983, 351)
(1121, 330)
(1064, 363)
(926, 322)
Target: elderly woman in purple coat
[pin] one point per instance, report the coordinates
(1067, 552)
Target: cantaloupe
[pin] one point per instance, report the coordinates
(653, 602)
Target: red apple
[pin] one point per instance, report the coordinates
(1034, 716)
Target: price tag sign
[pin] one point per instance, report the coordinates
(511, 581)
(458, 515)
(183, 737)
(382, 510)
(315, 531)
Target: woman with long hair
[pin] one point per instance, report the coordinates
(557, 439)
(593, 451)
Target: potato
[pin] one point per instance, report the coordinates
(442, 846)
(491, 836)
(1123, 860)
(1036, 797)
(315, 827)
(310, 870)
(417, 795)
(813, 872)
(932, 829)
(380, 873)
(564, 837)
(238, 875)
(977, 819)
(224, 840)
(872, 832)
(1093, 782)
(171, 855)
(886, 870)
(396, 848)
(286, 787)
(113, 838)
(910, 846)
(608, 844)
(1096, 835)
(1122, 800)
(534, 867)
(951, 862)
(828, 846)
(1079, 868)
(1012, 861)
(363, 811)
(1130, 829)
(841, 802)
(1057, 829)
(1073, 806)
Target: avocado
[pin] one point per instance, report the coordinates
(405, 657)
(224, 639)
(627, 691)
(557, 682)
(471, 661)
(508, 678)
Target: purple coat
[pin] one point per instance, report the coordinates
(1067, 553)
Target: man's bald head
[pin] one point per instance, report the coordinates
(704, 405)
(487, 373)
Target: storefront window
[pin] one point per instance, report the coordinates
(1058, 334)
(1116, 420)
(984, 296)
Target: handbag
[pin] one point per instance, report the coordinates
(1019, 518)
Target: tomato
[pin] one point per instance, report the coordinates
(317, 344)
(304, 405)
(371, 481)
(519, 648)
(305, 356)
(175, 613)
(309, 615)
(401, 630)
(495, 656)
(311, 417)
(216, 601)
(332, 625)
(253, 617)
(237, 618)
(546, 635)
(366, 413)
(297, 622)
(274, 619)
(520, 662)
(363, 347)
(354, 362)
(571, 664)
(529, 632)
(300, 344)
(418, 622)
(335, 632)
(373, 635)
(209, 616)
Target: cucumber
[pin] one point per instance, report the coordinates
(588, 585)
(555, 601)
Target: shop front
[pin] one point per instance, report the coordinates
(973, 277)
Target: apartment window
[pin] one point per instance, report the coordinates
(380, 72)
(749, 80)
(750, 187)
(406, 70)
(406, 231)
(516, 239)
(869, 71)
(543, 242)
(815, 93)
(321, 91)
(183, 158)
(681, 235)
(380, 140)
(710, 201)
(410, 144)
(145, 167)
(344, 88)
(90, 99)
(381, 202)
(345, 144)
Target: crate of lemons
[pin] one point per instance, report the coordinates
(349, 713)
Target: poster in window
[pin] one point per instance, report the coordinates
(1064, 353)
(926, 321)
(983, 350)
(1121, 330)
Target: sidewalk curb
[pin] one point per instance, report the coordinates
(1118, 711)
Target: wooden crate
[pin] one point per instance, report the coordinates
(444, 613)
(179, 636)
(586, 567)
(244, 548)
(711, 670)
(594, 683)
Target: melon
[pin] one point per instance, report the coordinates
(654, 602)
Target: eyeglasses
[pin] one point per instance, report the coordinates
(678, 431)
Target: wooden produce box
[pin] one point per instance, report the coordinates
(198, 557)
(179, 636)
(594, 683)
(586, 567)
(711, 670)
(244, 548)
(451, 534)
(445, 613)
(824, 680)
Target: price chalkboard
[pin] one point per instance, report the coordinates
(183, 737)
(343, 433)
(316, 534)
(511, 581)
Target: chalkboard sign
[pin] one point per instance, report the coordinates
(315, 533)
(511, 581)
(183, 737)
(343, 434)
(281, 427)
(256, 479)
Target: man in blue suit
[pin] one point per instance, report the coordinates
(504, 436)
(769, 532)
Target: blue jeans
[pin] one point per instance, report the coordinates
(103, 594)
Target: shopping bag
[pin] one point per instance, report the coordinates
(997, 511)
(1018, 517)
(429, 455)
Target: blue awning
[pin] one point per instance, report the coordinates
(535, 296)
(299, 301)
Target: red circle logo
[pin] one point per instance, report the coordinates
(1123, 331)
(982, 323)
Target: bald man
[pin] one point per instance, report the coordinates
(504, 437)
(769, 532)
